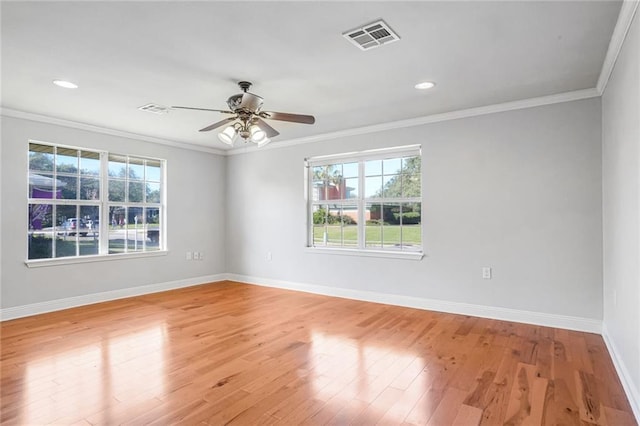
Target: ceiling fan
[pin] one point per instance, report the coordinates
(248, 118)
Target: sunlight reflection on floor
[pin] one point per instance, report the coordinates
(348, 374)
(94, 376)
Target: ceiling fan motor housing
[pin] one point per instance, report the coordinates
(245, 101)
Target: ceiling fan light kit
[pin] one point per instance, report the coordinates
(248, 120)
(228, 135)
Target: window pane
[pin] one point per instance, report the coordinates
(40, 157)
(135, 229)
(68, 187)
(41, 233)
(334, 183)
(90, 163)
(349, 218)
(136, 168)
(42, 185)
(328, 183)
(68, 229)
(319, 225)
(411, 228)
(318, 190)
(66, 246)
(153, 171)
(335, 190)
(40, 217)
(117, 166)
(411, 185)
(392, 186)
(391, 234)
(153, 229)
(135, 192)
(116, 190)
(89, 241)
(67, 160)
(373, 167)
(411, 165)
(319, 173)
(62, 214)
(392, 166)
(89, 188)
(334, 227)
(153, 192)
(373, 187)
(318, 185)
(117, 229)
(350, 170)
(40, 245)
(334, 172)
(351, 188)
(373, 229)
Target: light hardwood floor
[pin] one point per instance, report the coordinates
(240, 354)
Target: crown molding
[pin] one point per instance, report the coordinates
(625, 18)
(435, 118)
(12, 113)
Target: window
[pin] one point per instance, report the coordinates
(85, 202)
(369, 201)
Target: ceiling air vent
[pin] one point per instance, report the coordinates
(154, 108)
(371, 35)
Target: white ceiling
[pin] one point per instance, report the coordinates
(127, 54)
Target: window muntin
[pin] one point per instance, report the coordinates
(366, 201)
(70, 217)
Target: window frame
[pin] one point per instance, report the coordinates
(102, 203)
(361, 201)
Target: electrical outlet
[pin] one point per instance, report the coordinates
(486, 273)
(269, 256)
(188, 256)
(196, 255)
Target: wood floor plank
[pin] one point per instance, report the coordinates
(241, 354)
(467, 416)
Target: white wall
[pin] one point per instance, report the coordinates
(519, 191)
(621, 211)
(195, 192)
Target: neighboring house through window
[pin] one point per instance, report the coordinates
(368, 201)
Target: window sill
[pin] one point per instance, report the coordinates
(367, 253)
(38, 263)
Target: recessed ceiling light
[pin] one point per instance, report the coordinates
(65, 84)
(425, 85)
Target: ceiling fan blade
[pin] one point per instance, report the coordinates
(217, 124)
(284, 116)
(270, 131)
(203, 109)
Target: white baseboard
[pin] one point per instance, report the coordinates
(506, 314)
(72, 302)
(633, 394)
